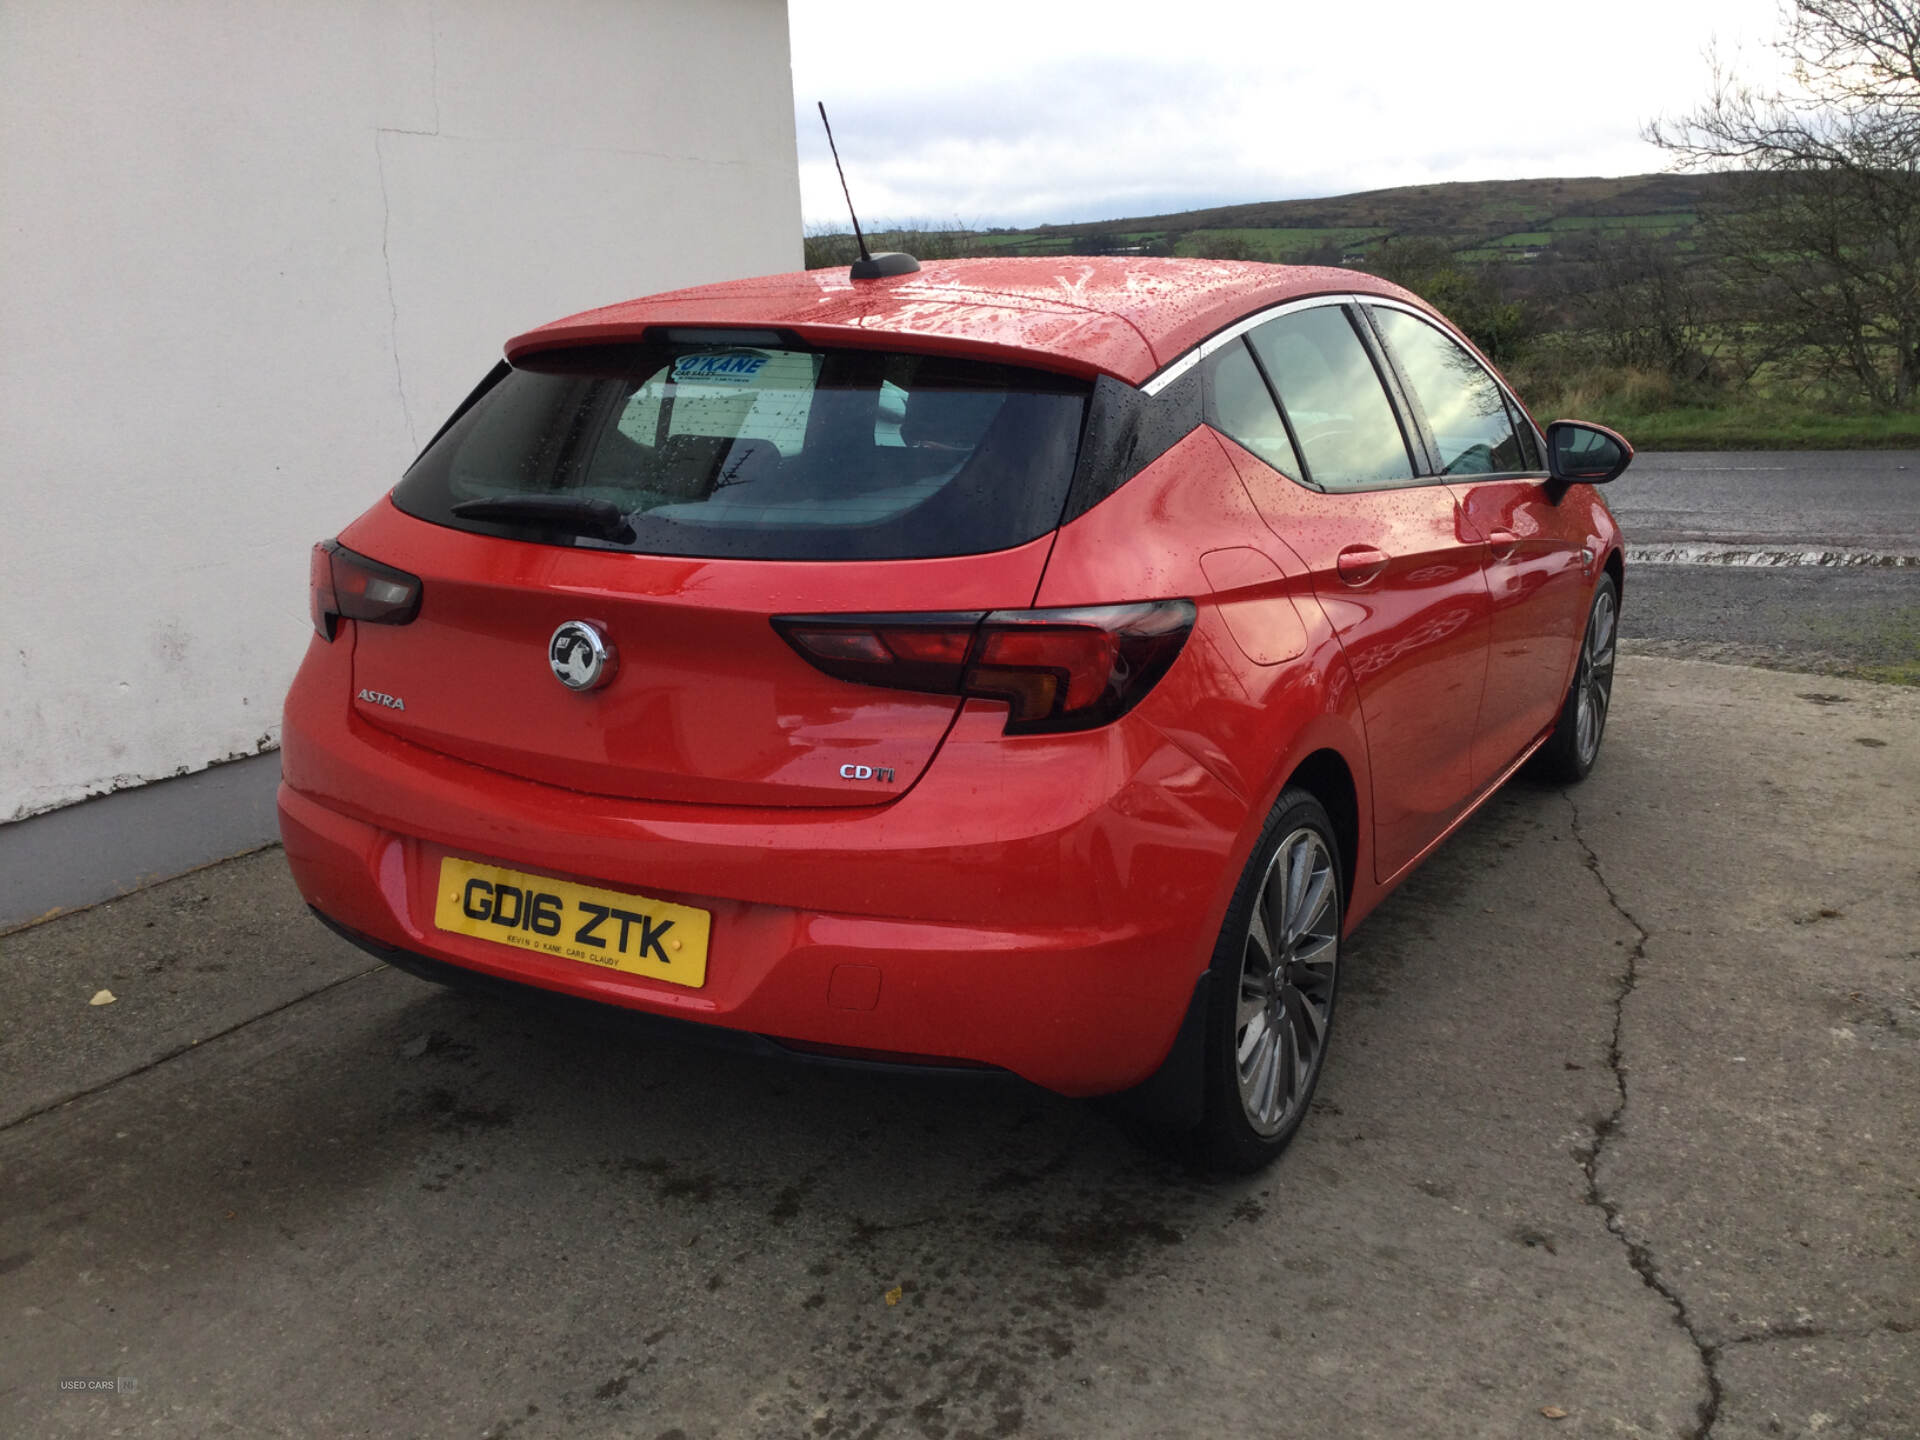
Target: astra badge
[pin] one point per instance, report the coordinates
(374, 697)
(580, 656)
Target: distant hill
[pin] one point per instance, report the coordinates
(1482, 220)
(1430, 209)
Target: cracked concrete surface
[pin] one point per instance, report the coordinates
(1770, 1050)
(1618, 1123)
(1638, 1255)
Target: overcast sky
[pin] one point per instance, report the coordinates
(993, 113)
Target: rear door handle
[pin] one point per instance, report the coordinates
(1360, 564)
(1501, 543)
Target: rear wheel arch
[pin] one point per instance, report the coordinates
(1326, 776)
(1275, 975)
(1174, 1101)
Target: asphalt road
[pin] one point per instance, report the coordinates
(1856, 619)
(1858, 499)
(1617, 1129)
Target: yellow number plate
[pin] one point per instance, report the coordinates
(576, 922)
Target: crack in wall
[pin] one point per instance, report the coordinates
(393, 305)
(433, 57)
(1639, 1255)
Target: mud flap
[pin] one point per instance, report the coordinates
(1173, 1098)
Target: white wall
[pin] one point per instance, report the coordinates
(252, 253)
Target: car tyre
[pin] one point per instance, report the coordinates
(1570, 752)
(1275, 975)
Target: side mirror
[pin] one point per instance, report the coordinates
(1579, 453)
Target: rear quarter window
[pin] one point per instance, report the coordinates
(1239, 405)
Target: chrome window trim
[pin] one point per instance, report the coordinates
(1171, 372)
(1220, 339)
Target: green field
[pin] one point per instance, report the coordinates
(1674, 220)
(1279, 243)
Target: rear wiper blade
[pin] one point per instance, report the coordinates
(573, 514)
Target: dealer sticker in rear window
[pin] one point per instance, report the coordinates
(732, 367)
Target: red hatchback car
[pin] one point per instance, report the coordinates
(1038, 664)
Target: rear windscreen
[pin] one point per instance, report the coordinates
(762, 452)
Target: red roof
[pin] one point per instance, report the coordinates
(1126, 316)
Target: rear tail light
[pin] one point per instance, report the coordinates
(1056, 669)
(345, 584)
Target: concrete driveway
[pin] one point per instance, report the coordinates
(1617, 1138)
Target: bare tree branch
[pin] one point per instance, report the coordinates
(1827, 231)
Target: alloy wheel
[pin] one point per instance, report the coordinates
(1287, 976)
(1593, 687)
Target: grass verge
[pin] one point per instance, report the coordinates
(1751, 427)
(1655, 413)
(1903, 672)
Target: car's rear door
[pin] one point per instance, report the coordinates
(718, 479)
(1392, 565)
(1531, 548)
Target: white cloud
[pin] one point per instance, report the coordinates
(993, 112)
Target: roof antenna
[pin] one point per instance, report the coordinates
(869, 266)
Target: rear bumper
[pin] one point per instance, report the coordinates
(643, 1024)
(1042, 909)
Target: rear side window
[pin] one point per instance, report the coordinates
(1465, 411)
(765, 452)
(1348, 433)
(1240, 405)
